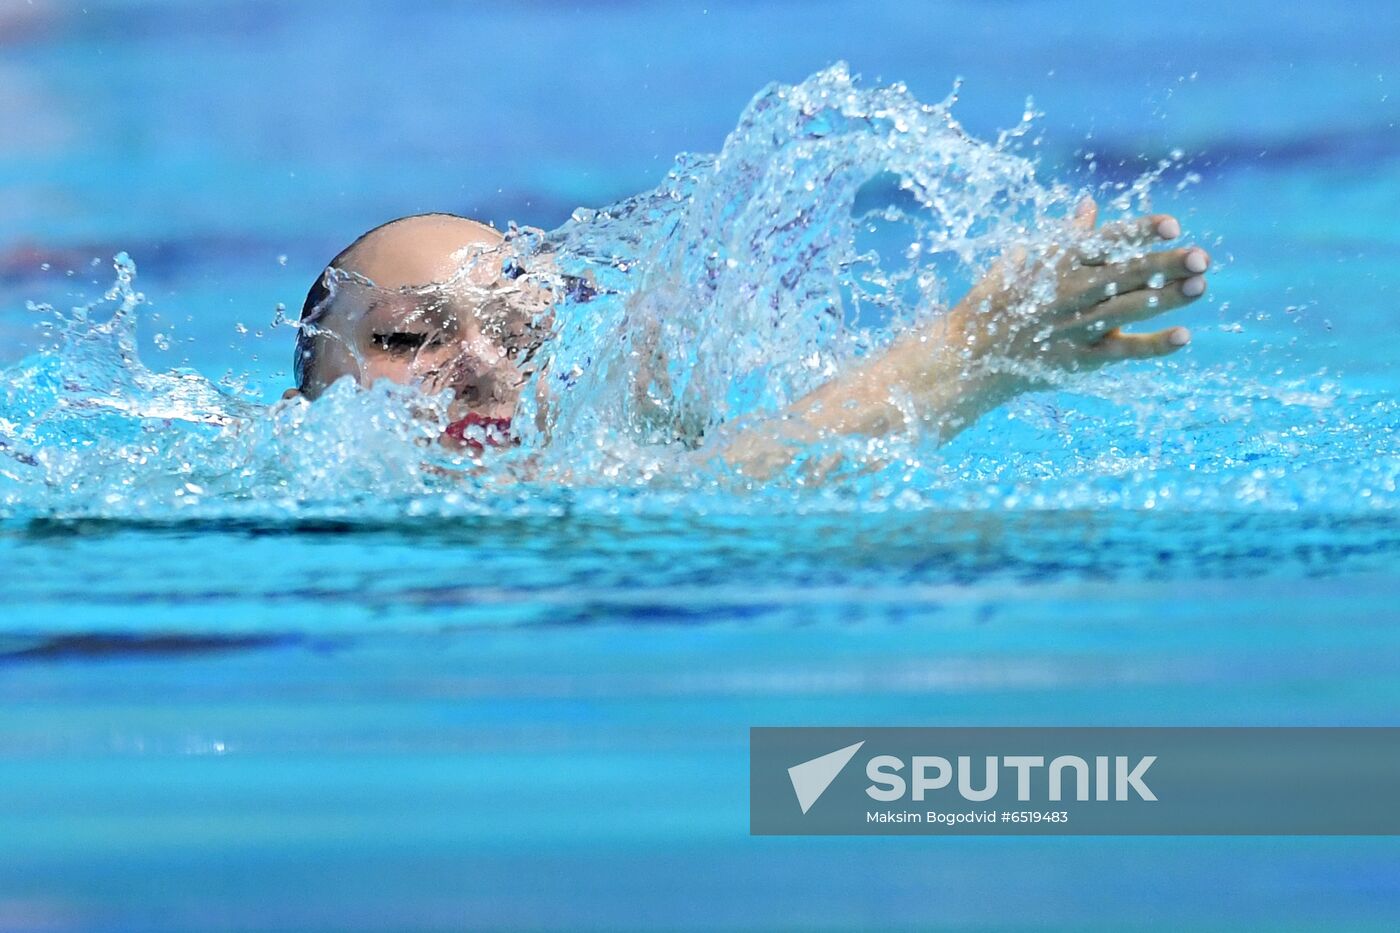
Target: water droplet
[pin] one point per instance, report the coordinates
(1157, 280)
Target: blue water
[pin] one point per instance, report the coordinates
(400, 705)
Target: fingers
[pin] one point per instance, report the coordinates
(1091, 285)
(1116, 345)
(1086, 215)
(1135, 306)
(1137, 232)
(1142, 230)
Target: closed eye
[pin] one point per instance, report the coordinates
(400, 341)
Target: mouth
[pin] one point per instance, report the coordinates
(477, 432)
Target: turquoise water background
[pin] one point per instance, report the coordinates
(542, 720)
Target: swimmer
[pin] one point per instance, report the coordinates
(404, 302)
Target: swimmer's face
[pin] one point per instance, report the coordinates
(423, 302)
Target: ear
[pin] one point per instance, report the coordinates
(291, 393)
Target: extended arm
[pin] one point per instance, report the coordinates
(997, 342)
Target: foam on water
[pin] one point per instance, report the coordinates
(833, 217)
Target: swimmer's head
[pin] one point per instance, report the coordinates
(422, 300)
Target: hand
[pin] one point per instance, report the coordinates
(1065, 313)
(1023, 324)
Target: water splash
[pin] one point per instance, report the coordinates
(829, 222)
(833, 217)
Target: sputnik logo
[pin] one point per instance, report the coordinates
(811, 778)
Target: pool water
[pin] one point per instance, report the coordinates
(400, 708)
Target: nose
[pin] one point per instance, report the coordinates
(472, 366)
(479, 345)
